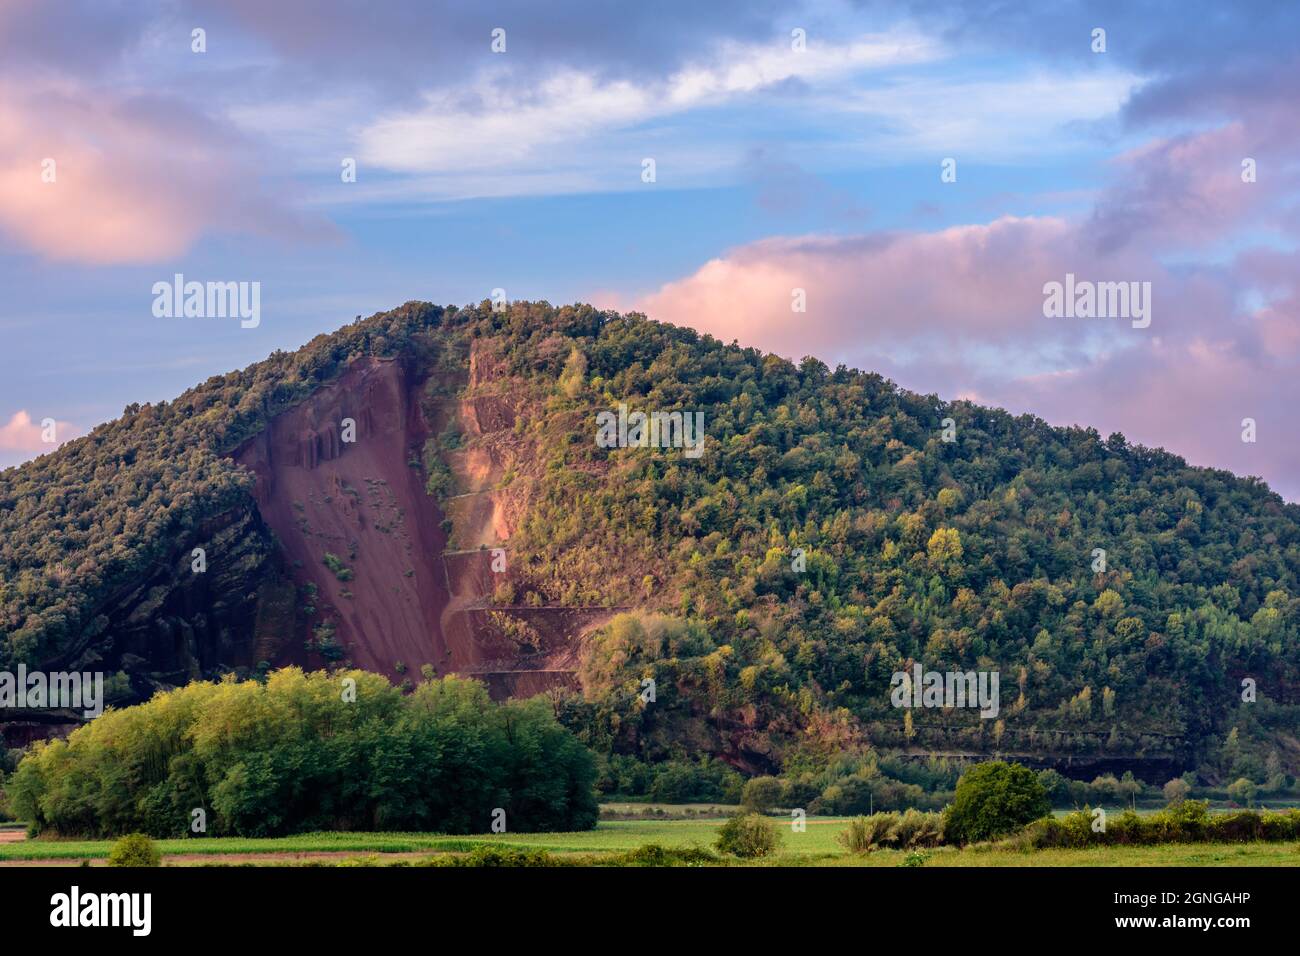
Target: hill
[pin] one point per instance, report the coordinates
(423, 490)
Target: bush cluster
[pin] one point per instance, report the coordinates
(309, 752)
(903, 831)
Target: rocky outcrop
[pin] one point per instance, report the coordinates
(182, 620)
(192, 614)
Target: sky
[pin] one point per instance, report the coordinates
(893, 186)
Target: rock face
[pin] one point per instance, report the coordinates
(176, 624)
(183, 623)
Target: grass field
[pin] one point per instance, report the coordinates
(816, 846)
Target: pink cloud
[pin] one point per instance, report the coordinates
(1190, 398)
(967, 285)
(1186, 189)
(22, 434)
(134, 180)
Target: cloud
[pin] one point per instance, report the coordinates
(1183, 190)
(1039, 112)
(498, 122)
(966, 286)
(134, 179)
(21, 434)
(1191, 397)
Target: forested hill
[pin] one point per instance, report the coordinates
(974, 553)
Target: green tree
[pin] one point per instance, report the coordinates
(762, 794)
(994, 799)
(1243, 790)
(1176, 791)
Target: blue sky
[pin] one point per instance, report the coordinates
(777, 165)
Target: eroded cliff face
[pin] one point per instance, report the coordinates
(381, 578)
(339, 481)
(517, 651)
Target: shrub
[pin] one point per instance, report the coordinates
(917, 829)
(652, 854)
(1240, 827)
(1184, 822)
(908, 830)
(748, 835)
(335, 564)
(1280, 826)
(994, 799)
(505, 856)
(867, 833)
(135, 849)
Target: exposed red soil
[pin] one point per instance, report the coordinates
(365, 504)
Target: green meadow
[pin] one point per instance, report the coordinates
(815, 846)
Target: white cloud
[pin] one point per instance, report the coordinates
(991, 119)
(493, 124)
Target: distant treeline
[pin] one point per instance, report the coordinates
(305, 752)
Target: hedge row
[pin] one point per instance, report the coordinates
(1189, 822)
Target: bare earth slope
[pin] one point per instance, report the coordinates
(363, 503)
(354, 523)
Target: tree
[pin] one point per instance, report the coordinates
(944, 547)
(1243, 790)
(297, 754)
(994, 799)
(1176, 791)
(762, 794)
(1056, 787)
(1129, 788)
(574, 374)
